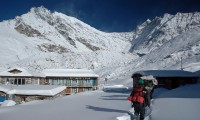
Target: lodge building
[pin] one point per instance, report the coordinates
(75, 80)
(20, 76)
(169, 79)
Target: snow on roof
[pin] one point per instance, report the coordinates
(148, 77)
(22, 72)
(167, 73)
(115, 88)
(46, 90)
(69, 73)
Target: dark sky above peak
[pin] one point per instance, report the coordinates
(105, 15)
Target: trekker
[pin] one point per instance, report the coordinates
(140, 99)
(150, 83)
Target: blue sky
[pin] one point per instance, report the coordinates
(105, 15)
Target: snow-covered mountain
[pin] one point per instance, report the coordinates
(42, 39)
(168, 39)
(168, 42)
(153, 34)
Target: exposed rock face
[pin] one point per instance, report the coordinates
(90, 46)
(53, 48)
(26, 29)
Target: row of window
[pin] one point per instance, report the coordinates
(73, 83)
(19, 81)
(75, 90)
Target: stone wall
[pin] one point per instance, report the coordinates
(25, 98)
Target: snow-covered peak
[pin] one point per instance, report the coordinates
(40, 11)
(166, 18)
(184, 21)
(144, 24)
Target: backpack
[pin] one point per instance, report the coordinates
(137, 95)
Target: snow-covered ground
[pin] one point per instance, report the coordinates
(179, 104)
(96, 105)
(182, 103)
(47, 90)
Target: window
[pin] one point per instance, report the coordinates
(23, 81)
(19, 81)
(68, 82)
(87, 89)
(55, 82)
(74, 90)
(74, 82)
(34, 81)
(15, 82)
(64, 81)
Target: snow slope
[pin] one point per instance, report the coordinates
(42, 39)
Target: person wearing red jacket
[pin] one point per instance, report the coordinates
(140, 99)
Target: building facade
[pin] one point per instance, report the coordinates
(20, 76)
(75, 80)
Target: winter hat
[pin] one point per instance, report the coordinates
(141, 82)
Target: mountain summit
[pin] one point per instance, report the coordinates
(44, 39)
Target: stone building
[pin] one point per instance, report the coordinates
(26, 93)
(169, 78)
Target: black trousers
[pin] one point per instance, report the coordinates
(139, 110)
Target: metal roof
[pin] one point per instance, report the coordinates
(22, 73)
(167, 73)
(69, 73)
